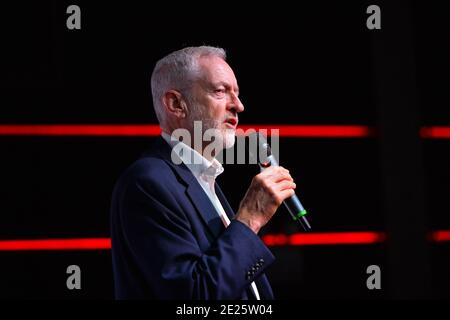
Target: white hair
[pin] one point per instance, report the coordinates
(177, 71)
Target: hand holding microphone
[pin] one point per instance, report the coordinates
(273, 186)
(266, 193)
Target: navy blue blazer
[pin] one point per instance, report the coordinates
(168, 241)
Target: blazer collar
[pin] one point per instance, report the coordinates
(194, 191)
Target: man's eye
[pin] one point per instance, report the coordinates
(219, 93)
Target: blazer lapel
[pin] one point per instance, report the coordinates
(205, 208)
(226, 206)
(194, 191)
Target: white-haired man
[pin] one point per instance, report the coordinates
(174, 235)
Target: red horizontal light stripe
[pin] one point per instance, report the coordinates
(298, 239)
(151, 130)
(144, 130)
(435, 132)
(56, 244)
(440, 236)
(310, 131)
(325, 238)
(109, 130)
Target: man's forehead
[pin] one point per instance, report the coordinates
(214, 69)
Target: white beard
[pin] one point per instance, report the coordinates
(219, 137)
(226, 138)
(229, 138)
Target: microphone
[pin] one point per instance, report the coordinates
(266, 159)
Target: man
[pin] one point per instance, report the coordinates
(174, 235)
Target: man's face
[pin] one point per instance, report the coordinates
(214, 99)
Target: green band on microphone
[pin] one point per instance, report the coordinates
(300, 214)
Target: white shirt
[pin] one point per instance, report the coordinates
(205, 172)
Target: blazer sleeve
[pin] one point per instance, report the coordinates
(159, 238)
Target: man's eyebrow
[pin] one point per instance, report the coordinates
(225, 84)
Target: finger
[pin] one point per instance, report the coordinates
(277, 174)
(273, 171)
(287, 193)
(281, 176)
(285, 184)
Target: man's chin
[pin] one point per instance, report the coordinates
(221, 139)
(229, 138)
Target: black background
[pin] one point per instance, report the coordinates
(312, 63)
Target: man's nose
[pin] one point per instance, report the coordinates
(235, 103)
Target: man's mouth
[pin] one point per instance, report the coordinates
(232, 122)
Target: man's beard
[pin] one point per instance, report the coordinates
(222, 137)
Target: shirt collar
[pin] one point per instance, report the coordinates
(198, 164)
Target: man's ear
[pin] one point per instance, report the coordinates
(174, 103)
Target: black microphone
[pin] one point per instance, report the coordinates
(266, 159)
